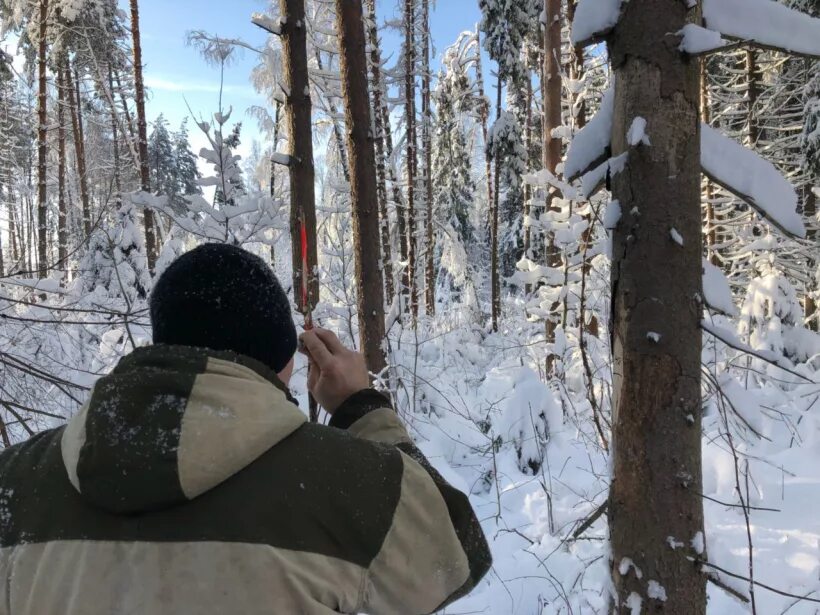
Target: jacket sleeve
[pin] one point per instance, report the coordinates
(435, 551)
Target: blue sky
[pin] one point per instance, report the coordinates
(175, 72)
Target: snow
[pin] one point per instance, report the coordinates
(655, 591)
(633, 603)
(612, 215)
(697, 40)
(279, 158)
(266, 23)
(698, 543)
(765, 22)
(676, 236)
(716, 290)
(750, 177)
(637, 133)
(594, 18)
(592, 141)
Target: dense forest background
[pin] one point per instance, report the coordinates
(582, 256)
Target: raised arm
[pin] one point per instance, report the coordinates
(435, 551)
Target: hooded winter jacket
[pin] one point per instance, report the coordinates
(190, 483)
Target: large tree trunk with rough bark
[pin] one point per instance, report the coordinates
(42, 133)
(427, 147)
(552, 144)
(364, 197)
(142, 137)
(409, 278)
(495, 279)
(381, 154)
(62, 209)
(300, 139)
(656, 288)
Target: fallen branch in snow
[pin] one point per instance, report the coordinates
(740, 577)
(717, 582)
(601, 510)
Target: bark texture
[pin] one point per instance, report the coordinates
(656, 289)
(142, 137)
(300, 137)
(42, 120)
(552, 145)
(364, 196)
(427, 147)
(380, 143)
(409, 277)
(62, 210)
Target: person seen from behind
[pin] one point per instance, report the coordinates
(191, 483)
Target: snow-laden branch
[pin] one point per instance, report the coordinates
(716, 291)
(751, 178)
(764, 23)
(594, 19)
(697, 41)
(591, 145)
(274, 26)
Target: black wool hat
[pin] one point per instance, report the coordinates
(224, 298)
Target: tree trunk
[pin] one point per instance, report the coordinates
(142, 130)
(300, 136)
(353, 65)
(528, 145)
(115, 139)
(656, 486)
(337, 130)
(809, 213)
(412, 160)
(128, 121)
(381, 157)
(427, 146)
(753, 92)
(576, 72)
(79, 145)
(495, 281)
(42, 118)
(552, 145)
(484, 117)
(277, 119)
(62, 209)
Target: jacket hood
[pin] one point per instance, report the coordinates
(170, 423)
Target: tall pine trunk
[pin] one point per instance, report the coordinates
(75, 109)
(142, 137)
(552, 144)
(62, 209)
(495, 279)
(380, 142)
(656, 485)
(409, 278)
(115, 138)
(300, 139)
(42, 119)
(334, 119)
(427, 151)
(353, 65)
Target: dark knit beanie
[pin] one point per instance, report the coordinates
(224, 298)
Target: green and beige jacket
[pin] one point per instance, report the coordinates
(190, 483)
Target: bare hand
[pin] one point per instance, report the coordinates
(336, 372)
